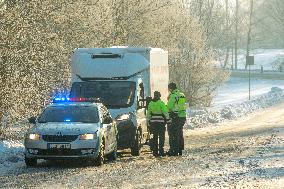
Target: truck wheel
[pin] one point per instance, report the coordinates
(113, 154)
(101, 157)
(30, 162)
(135, 150)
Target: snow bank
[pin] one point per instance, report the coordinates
(11, 155)
(235, 90)
(202, 116)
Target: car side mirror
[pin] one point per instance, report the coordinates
(141, 104)
(107, 120)
(32, 120)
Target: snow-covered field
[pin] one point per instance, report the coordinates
(232, 101)
(236, 90)
(262, 57)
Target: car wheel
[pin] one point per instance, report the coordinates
(101, 157)
(135, 150)
(30, 162)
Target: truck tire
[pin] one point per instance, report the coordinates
(113, 155)
(135, 150)
(30, 162)
(101, 157)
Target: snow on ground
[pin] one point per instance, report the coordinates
(264, 57)
(201, 116)
(230, 103)
(11, 155)
(237, 154)
(236, 90)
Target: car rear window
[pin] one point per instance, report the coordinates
(84, 114)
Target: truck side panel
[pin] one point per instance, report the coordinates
(159, 73)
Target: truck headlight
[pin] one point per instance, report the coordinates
(123, 117)
(88, 136)
(34, 136)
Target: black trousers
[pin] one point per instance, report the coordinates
(175, 131)
(158, 141)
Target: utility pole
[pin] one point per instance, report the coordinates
(236, 34)
(249, 63)
(249, 29)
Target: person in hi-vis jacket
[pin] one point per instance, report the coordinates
(158, 117)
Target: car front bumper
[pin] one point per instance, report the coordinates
(78, 149)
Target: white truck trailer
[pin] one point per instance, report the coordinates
(123, 78)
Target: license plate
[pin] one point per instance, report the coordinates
(59, 146)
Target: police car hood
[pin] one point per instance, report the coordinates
(65, 128)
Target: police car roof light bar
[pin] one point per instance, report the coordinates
(80, 99)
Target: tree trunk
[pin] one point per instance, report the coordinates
(236, 35)
(227, 35)
(226, 57)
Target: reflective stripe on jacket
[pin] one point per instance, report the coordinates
(177, 103)
(157, 112)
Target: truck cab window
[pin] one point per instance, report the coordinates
(114, 94)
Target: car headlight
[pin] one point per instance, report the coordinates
(34, 136)
(123, 117)
(88, 136)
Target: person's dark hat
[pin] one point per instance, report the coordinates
(172, 86)
(157, 94)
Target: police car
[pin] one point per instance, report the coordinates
(72, 128)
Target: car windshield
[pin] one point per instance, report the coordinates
(84, 114)
(114, 94)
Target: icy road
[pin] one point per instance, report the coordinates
(246, 153)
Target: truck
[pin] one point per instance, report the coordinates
(124, 78)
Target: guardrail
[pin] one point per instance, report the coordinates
(261, 74)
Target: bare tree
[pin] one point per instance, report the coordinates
(37, 38)
(275, 23)
(236, 33)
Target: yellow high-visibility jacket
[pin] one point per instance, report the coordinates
(157, 112)
(177, 103)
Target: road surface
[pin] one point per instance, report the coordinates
(245, 153)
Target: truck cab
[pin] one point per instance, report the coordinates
(122, 77)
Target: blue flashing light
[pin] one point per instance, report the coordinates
(67, 120)
(57, 99)
(61, 99)
(79, 99)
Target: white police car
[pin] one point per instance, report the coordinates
(72, 128)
